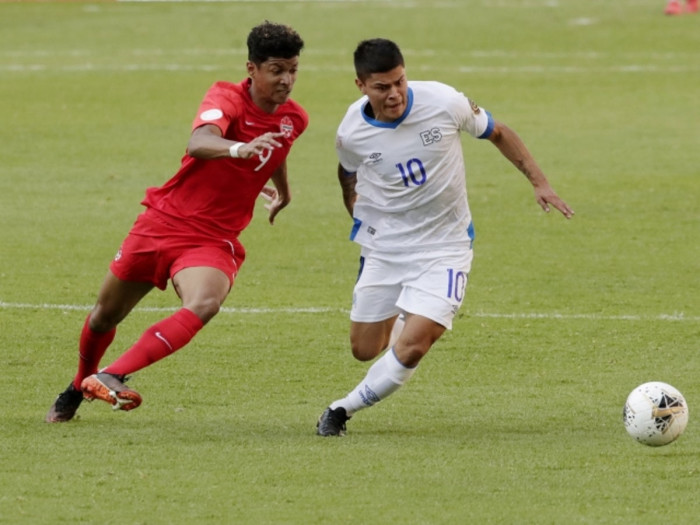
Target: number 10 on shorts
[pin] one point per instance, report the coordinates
(456, 283)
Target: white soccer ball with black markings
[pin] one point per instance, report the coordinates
(655, 414)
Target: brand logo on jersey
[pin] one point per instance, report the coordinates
(475, 107)
(211, 114)
(431, 136)
(286, 126)
(375, 157)
(118, 255)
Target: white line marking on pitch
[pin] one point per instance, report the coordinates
(524, 69)
(675, 317)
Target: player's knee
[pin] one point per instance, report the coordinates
(104, 319)
(205, 308)
(363, 351)
(410, 354)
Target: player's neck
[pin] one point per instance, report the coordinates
(263, 103)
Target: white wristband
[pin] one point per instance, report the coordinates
(233, 150)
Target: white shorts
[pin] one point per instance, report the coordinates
(431, 284)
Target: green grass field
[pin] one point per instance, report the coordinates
(515, 415)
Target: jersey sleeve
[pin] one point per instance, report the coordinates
(217, 108)
(472, 118)
(349, 161)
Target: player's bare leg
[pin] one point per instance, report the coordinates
(368, 340)
(202, 290)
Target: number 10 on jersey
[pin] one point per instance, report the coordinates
(413, 173)
(456, 283)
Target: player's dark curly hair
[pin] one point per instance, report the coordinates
(377, 55)
(270, 40)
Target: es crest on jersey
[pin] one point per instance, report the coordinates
(430, 136)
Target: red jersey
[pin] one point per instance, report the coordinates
(217, 197)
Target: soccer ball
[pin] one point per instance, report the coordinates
(655, 414)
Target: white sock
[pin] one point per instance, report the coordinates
(383, 379)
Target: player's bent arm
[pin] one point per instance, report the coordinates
(207, 142)
(279, 196)
(348, 181)
(513, 148)
(281, 183)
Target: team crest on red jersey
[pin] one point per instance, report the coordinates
(286, 126)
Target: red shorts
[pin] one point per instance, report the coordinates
(154, 251)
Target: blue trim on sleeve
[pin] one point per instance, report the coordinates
(355, 228)
(392, 125)
(489, 127)
(470, 231)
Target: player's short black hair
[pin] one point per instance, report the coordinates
(377, 55)
(270, 40)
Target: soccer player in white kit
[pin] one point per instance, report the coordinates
(402, 174)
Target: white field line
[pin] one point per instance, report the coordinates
(52, 54)
(224, 309)
(527, 69)
(580, 62)
(675, 317)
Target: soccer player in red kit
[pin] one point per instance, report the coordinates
(189, 230)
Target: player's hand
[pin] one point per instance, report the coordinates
(260, 145)
(276, 202)
(546, 197)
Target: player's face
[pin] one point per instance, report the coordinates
(387, 93)
(273, 81)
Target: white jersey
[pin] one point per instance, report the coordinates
(411, 183)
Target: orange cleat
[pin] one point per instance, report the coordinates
(111, 389)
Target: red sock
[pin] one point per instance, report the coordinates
(93, 346)
(159, 341)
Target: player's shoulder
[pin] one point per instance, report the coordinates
(433, 90)
(440, 97)
(226, 91)
(224, 86)
(353, 115)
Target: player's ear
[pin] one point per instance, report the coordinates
(360, 85)
(251, 67)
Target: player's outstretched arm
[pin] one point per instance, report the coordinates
(513, 148)
(347, 184)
